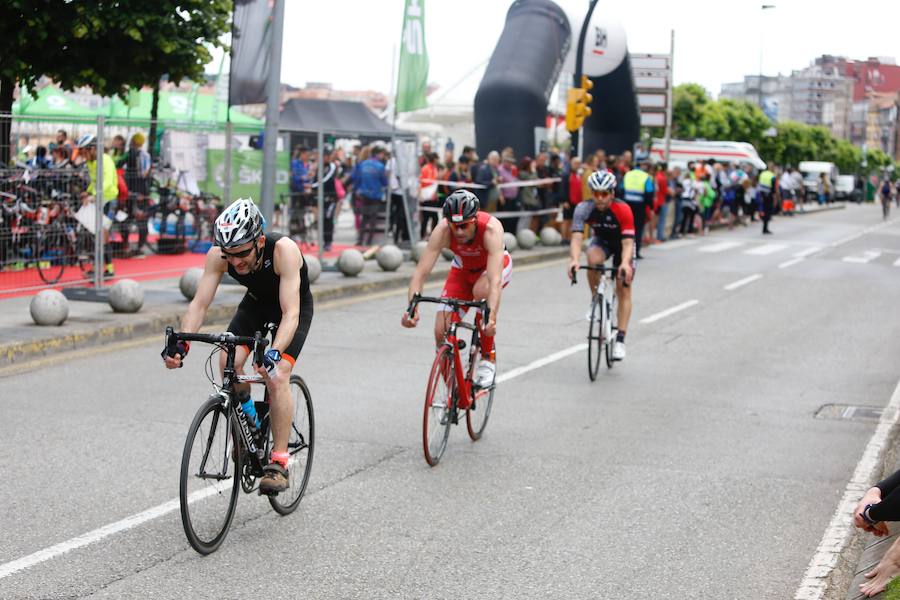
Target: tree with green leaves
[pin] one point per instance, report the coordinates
(109, 46)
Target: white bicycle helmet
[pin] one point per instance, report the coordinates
(238, 224)
(88, 139)
(602, 181)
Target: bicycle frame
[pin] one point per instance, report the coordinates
(463, 380)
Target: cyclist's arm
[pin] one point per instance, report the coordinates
(577, 235)
(213, 270)
(493, 243)
(287, 263)
(440, 239)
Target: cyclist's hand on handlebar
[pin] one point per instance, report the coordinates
(490, 328)
(571, 270)
(174, 357)
(408, 322)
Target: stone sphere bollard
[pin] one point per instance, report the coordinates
(527, 239)
(417, 250)
(389, 257)
(49, 307)
(510, 241)
(550, 237)
(351, 262)
(189, 281)
(313, 267)
(447, 253)
(126, 296)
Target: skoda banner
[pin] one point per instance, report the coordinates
(246, 169)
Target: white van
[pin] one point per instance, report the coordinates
(811, 170)
(681, 152)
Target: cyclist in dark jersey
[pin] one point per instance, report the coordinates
(612, 230)
(272, 269)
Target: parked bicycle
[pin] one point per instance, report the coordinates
(451, 388)
(604, 319)
(223, 452)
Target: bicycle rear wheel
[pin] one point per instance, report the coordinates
(595, 335)
(210, 477)
(479, 412)
(438, 404)
(300, 447)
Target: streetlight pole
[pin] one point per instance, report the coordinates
(765, 7)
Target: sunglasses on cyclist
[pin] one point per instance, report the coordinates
(463, 225)
(241, 254)
(603, 193)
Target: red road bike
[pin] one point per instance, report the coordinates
(451, 387)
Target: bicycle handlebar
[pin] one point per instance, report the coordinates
(258, 343)
(453, 303)
(602, 269)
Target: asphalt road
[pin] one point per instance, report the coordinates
(695, 469)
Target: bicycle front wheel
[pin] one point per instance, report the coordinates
(595, 336)
(438, 404)
(300, 447)
(210, 477)
(51, 255)
(479, 412)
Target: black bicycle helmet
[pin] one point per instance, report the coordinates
(461, 206)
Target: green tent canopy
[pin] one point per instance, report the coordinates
(178, 108)
(51, 102)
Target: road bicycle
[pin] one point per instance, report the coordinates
(451, 387)
(604, 320)
(224, 453)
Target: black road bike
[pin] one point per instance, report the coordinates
(224, 453)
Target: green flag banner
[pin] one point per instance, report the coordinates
(246, 179)
(413, 77)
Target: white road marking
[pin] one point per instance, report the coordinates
(720, 247)
(840, 529)
(856, 236)
(766, 249)
(742, 282)
(897, 263)
(670, 311)
(865, 257)
(790, 263)
(807, 252)
(676, 244)
(90, 537)
(541, 362)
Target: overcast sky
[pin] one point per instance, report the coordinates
(351, 43)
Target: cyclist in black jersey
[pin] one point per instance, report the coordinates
(612, 235)
(272, 269)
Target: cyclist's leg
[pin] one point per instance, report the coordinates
(624, 294)
(480, 291)
(596, 256)
(459, 285)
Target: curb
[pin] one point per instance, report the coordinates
(155, 320)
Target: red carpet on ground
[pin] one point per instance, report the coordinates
(28, 282)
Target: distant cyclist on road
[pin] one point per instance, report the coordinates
(481, 269)
(612, 235)
(272, 269)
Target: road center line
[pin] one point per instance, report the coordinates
(840, 529)
(742, 282)
(807, 252)
(670, 311)
(790, 263)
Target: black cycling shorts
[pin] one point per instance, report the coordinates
(616, 254)
(252, 315)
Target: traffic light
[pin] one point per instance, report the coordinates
(577, 104)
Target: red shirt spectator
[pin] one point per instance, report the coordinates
(574, 188)
(662, 189)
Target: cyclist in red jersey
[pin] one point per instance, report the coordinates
(612, 235)
(481, 269)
